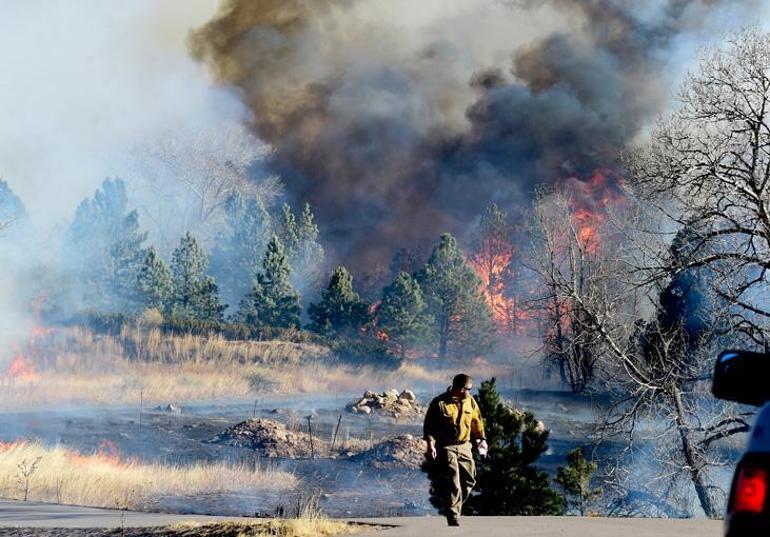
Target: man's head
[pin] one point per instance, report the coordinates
(462, 385)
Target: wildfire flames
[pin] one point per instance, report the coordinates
(589, 203)
(22, 368)
(493, 267)
(107, 453)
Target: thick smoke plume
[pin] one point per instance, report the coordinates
(401, 119)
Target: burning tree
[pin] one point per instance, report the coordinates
(491, 255)
(563, 251)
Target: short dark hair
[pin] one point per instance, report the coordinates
(461, 380)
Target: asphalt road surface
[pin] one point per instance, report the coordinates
(33, 514)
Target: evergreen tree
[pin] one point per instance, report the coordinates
(403, 261)
(154, 282)
(12, 210)
(492, 250)
(401, 314)
(452, 291)
(273, 301)
(238, 250)
(508, 483)
(107, 244)
(300, 240)
(194, 293)
(340, 310)
(575, 479)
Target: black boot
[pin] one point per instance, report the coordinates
(451, 520)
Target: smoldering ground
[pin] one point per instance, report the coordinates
(399, 120)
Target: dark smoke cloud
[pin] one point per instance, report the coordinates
(395, 135)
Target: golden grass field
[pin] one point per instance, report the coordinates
(80, 367)
(105, 480)
(297, 527)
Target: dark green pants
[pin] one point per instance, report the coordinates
(460, 476)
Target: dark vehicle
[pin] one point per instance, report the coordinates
(744, 377)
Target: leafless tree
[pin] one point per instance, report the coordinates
(188, 179)
(604, 313)
(707, 168)
(560, 255)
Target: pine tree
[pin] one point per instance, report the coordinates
(108, 243)
(508, 483)
(238, 250)
(492, 250)
(575, 479)
(154, 282)
(273, 302)
(12, 210)
(452, 291)
(194, 292)
(340, 310)
(300, 240)
(402, 261)
(401, 314)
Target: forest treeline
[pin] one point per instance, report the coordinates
(262, 275)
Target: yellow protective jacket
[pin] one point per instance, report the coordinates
(450, 420)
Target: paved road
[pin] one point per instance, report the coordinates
(47, 515)
(33, 514)
(547, 527)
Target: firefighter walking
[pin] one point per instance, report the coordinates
(453, 425)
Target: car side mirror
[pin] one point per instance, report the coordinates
(742, 377)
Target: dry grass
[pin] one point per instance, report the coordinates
(99, 480)
(296, 527)
(276, 528)
(77, 366)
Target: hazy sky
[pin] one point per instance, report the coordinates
(85, 84)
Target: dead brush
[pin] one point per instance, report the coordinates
(26, 469)
(96, 480)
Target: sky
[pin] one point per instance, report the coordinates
(88, 85)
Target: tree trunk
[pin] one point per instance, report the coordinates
(691, 459)
(443, 335)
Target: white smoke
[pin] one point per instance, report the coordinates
(86, 85)
(91, 90)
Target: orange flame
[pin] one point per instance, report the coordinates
(589, 205)
(107, 453)
(20, 370)
(492, 265)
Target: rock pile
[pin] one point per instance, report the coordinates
(170, 408)
(390, 403)
(270, 439)
(404, 451)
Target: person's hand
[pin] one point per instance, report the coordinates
(430, 452)
(482, 447)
